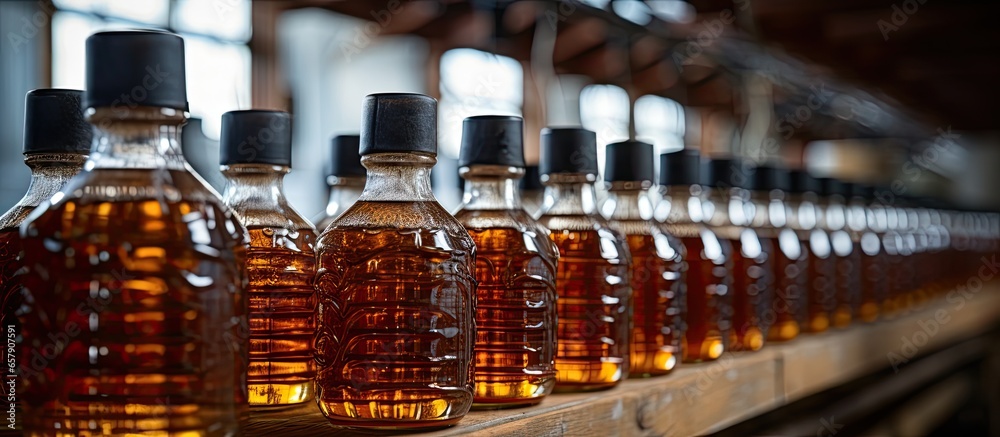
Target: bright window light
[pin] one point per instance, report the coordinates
(475, 83)
(660, 121)
(224, 19)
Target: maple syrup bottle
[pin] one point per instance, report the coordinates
(819, 300)
(657, 260)
(346, 179)
(794, 316)
(895, 252)
(515, 269)
(136, 273)
(833, 219)
(592, 279)
(280, 260)
(395, 284)
(707, 258)
(56, 142)
(532, 190)
(874, 259)
(729, 213)
(789, 263)
(851, 278)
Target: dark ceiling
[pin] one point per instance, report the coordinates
(930, 64)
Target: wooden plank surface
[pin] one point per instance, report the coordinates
(702, 398)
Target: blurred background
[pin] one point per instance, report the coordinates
(894, 93)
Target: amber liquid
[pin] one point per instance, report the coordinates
(135, 317)
(10, 285)
(873, 277)
(847, 279)
(395, 316)
(657, 290)
(281, 267)
(707, 305)
(790, 266)
(751, 283)
(594, 306)
(515, 314)
(821, 299)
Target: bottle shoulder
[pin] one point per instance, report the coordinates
(159, 204)
(419, 218)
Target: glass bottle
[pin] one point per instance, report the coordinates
(874, 262)
(707, 258)
(858, 228)
(515, 269)
(657, 260)
(820, 296)
(395, 285)
(592, 279)
(788, 261)
(136, 267)
(346, 179)
(833, 220)
(793, 317)
(728, 213)
(56, 142)
(280, 261)
(532, 190)
(895, 251)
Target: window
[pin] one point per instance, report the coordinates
(215, 35)
(604, 109)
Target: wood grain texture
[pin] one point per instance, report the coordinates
(703, 398)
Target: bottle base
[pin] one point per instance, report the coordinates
(574, 376)
(498, 395)
(277, 396)
(709, 349)
(783, 331)
(423, 413)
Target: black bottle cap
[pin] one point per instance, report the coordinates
(680, 168)
(398, 123)
(833, 187)
(767, 178)
(803, 182)
(54, 123)
(532, 180)
(492, 140)
(346, 161)
(126, 69)
(568, 150)
(726, 173)
(256, 137)
(628, 161)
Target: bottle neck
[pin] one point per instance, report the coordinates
(628, 201)
(802, 211)
(770, 209)
(680, 204)
(344, 191)
(258, 185)
(728, 206)
(398, 177)
(491, 187)
(144, 138)
(569, 194)
(49, 172)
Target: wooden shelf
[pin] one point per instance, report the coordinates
(703, 398)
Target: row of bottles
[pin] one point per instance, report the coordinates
(156, 305)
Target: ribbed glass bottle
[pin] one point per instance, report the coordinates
(657, 260)
(136, 269)
(280, 262)
(515, 269)
(707, 258)
(394, 344)
(592, 280)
